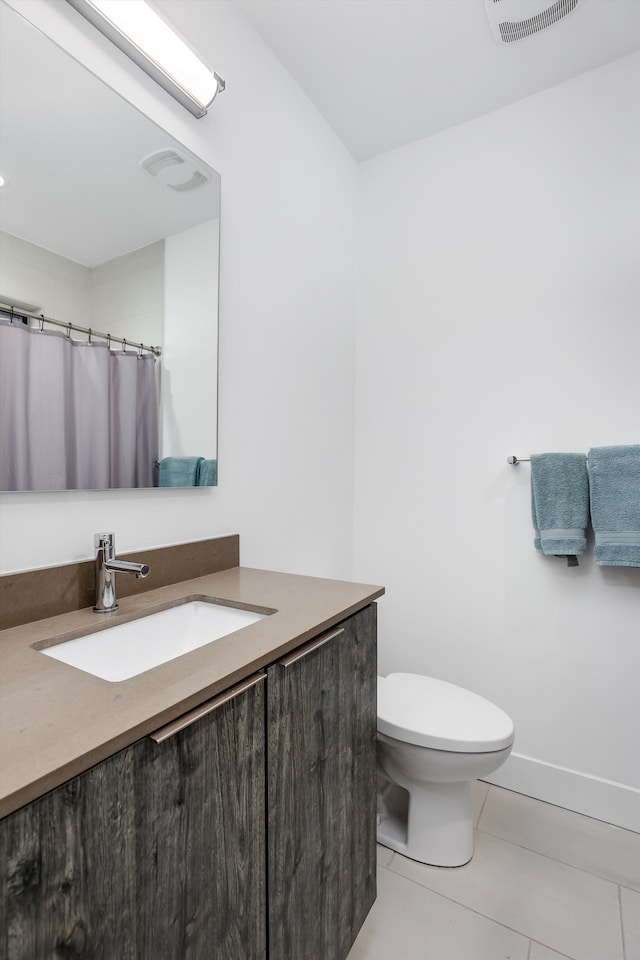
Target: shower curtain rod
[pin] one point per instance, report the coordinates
(18, 312)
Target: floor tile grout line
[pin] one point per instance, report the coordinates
(625, 886)
(568, 810)
(484, 803)
(478, 913)
(624, 939)
(522, 846)
(565, 956)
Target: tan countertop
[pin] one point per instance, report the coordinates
(57, 721)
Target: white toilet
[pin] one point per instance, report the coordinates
(434, 740)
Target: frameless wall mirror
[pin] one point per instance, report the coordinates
(109, 240)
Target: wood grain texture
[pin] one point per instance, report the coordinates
(321, 768)
(161, 852)
(201, 837)
(68, 869)
(156, 854)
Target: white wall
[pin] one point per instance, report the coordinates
(54, 285)
(497, 314)
(127, 295)
(497, 286)
(123, 297)
(190, 343)
(287, 302)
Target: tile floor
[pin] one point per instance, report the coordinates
(544, 884)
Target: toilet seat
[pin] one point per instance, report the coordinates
(433, 713)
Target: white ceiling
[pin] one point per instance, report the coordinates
(385, 73)
(70, 149)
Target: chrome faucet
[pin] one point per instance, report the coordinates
(106, 568)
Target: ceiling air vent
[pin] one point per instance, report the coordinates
(517, 19)
(174, 170)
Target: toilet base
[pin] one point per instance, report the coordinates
(433, 824)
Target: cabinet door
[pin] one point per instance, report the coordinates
(68, 869)
(200, 834)
(155, 854)
(321, 780)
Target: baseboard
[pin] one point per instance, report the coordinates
(602, 799)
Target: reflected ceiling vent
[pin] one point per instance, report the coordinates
(513, 20)
(175, 170)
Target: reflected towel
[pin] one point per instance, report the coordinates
(560, 503)
(614, 474)
(208, 473)
(179, 471)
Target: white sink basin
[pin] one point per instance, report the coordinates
(127, 649)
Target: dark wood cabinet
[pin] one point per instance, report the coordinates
(321, 789)
(244, 830)
(200, 833)
(155, 854)
(68, 891)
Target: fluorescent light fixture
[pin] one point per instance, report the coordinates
(141, 33)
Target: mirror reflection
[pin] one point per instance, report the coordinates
(109, 237)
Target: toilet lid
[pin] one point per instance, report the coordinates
(440, 715)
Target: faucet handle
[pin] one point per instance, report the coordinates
(104, 540)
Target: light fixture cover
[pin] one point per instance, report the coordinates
(513, 20)
(141, 32)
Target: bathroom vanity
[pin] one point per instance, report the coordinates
(219, 805)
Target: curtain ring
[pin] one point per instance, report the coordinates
(109, 341)
(124, 346)
(68, 331)
(41, 321)
(140, 348)
(89, 337)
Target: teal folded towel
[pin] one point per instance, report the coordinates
(560, 503)
(179, 471)
(614, 475)
(208, 473)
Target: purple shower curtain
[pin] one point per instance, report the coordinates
(74, 415)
